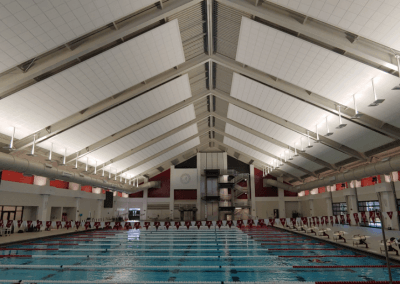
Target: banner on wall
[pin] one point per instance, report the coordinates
(364, 217)
(390, 214)
(331, 219)
(342, 219)
(261, 223)
(304, 220)
(271, 222)
(356, 218)
(229, 223)
(283, 221)
(177, 224)
(322, 220)
(372, 216)
(20, 223)
(219, 223)
(208, 224)
(348, 218)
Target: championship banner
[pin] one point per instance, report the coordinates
(20, 223)
(356, 218)
(146, 225)
(136, 225)
(326, 220)
(208, 224)
(317, 219)
(9, 223)
(304, 220)
(293, 220)
(157, 224)
(177, 224)
(390, 214)
(68, 225)
(48, 224)
(167, 225)
(337, 219)
(77, 224)
(331, 218)
(219, 224)
(107, 225)
(348, 218)
(239, 223)
(364, 217)
(372, 216)
(229, 223)
(378, 214)
(38, 224)
(97, 225)
(198, 224)
(2, 223)
(58, 224)
(272, 222)
(322, 220)
(261, 223)
(87, 225)
(117, 225)
(127, 225)
(250, 223)
(283, 221)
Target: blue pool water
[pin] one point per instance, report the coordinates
(184, 256)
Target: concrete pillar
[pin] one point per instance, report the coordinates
(387, 201)
(252, 188)
(77, 205)
(171, 197)
(281, 205)
(199, 204)
(352, 203)
(43, 214)
(99, 208)
(143, 212)
(311, 205)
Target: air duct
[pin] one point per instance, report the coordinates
(381, 168)
(21, 165)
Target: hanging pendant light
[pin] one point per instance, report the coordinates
(341, 124)
(50, 153)
(11, 146)
(95, 168)
(356, 114)
(309, 141)
(109, 173)
(87, 164)
(281, 164)
(65, 157)
(377, 101)
(290, 155)
(32, 154)
(102, 174)
(115, 177)
(295, 150)
(301, 145)
(328, 133)
(316, 131)
(76, 161)
(284, 155)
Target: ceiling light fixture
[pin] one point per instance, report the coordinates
(377, 101)
(356, 113)
(102, 172)
(11, 146)
(115, 177)
(301, 144)
(309, 141)
(341, 124)
(50, 153)
(316, 130)
(295, 150)
(95, 168)
(65, 157)
(32, 154)
(87, 164)
(290, 155)
(284, 155)
(109, 173)
(76, 161)
(328, 133)
(281, 164)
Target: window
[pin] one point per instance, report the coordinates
(339, 208)
(367, 206)
(11, 212)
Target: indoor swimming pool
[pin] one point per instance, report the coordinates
(195, 256)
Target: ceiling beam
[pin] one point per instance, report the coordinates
(99, 144)
(109, 103)
(264, 152)
(274, 141)
(153, 141)
(257, 160)
(366, 49)
(163, 152)
(13, 82)
(308, 97)
(289, 125)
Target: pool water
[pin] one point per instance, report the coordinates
(211, 255)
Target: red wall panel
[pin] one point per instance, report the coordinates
(164, 190)
(262, 191)
(137, 194)
(184, 194)
(59, 184)
(307, 192)
(321, 189)
(86, 188)
(16, 177)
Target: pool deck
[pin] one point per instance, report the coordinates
(373, 242)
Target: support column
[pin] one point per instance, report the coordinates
(387, 202)
(352, 203)
(171, 197)
(281, 195)
(311, 205)
(43, 213)
(100, 203)
(143, 214)
(78, 205)
(199, 204)
(252, 188)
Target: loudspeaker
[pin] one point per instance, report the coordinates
(108, 202)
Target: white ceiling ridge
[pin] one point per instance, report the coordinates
(153, 141)
(348, 41)
(311, 173)
(289, 125)
(309, 97)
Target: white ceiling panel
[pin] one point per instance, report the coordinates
(259, 156)
(29, 28)
(164, 157)
(316, 69)
(270, 148)
(141, 136)
(92, 81)
(282, 134)
(153, 149)
(303, 114)
(124, 115)
(377, 20)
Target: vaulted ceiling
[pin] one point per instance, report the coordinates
(132, 87)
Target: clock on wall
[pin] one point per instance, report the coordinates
(185, 178)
